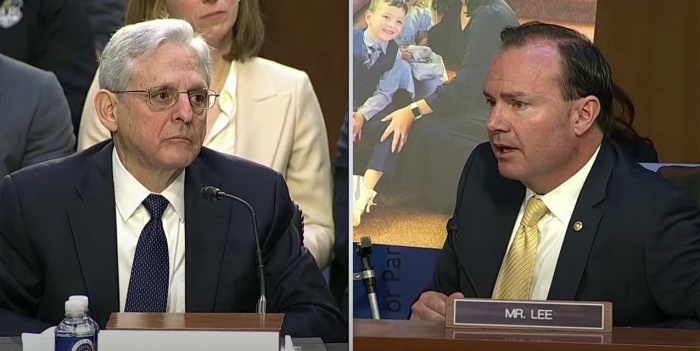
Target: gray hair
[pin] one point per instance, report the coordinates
(139, 41)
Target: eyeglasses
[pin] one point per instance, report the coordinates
(164, 97)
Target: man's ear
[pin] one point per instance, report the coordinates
(587, 111)
(368, 17)
(106, 105)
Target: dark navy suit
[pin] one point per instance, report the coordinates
(639, 247)
(58, 238)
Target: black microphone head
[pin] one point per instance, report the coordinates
(365, 247)
(209, 193)
(452, 226)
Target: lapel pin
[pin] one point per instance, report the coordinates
(578, 226)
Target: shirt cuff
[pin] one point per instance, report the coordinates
(365, 112)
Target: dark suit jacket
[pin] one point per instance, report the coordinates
(58, 238)
(55, 35)
(35, 123)
(341, 185)
(106, 16)
(639, 246)
(463, 95)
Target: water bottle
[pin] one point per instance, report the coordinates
(75, 332)
(86, 301)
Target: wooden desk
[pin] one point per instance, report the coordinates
(384, 335)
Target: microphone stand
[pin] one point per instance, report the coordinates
(452, 232)
(211, 193)
(364, 251)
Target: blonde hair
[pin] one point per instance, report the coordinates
(426, 4)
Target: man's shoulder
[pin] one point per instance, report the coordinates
(57, 172)
(252, 181)
(226, 164)
(639, 185)
(18, 73)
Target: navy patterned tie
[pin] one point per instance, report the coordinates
(372, 51)
(148, 285)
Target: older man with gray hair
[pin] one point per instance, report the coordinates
(123, 222)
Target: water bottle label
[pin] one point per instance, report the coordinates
(75, 343)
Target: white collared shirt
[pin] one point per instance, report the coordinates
(222, 136)
(560, 202)
(132, 216)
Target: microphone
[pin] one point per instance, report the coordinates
(211, 193)
(452, 232)
(364, 250)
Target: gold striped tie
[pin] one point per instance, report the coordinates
(515, 279)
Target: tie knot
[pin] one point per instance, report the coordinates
(156, 205)
(534, 211)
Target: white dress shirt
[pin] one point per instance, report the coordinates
(560, 202)
(222, 136)
(132, 216)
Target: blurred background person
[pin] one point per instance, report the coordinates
(267, 112)
(638, 147)
(416, 25)
(452, 118)
(449, 36)
(35, 122)
(106, 16)
(56, 36)
(423, 67)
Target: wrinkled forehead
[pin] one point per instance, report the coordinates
(170, 65)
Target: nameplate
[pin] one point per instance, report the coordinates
(530, 336)
(532, 315)
(191, 331)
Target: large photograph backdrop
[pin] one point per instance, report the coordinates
(414, 202)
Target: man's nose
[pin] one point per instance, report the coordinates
(495, 122)
(183, 107)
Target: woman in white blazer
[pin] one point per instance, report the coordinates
(266, 112)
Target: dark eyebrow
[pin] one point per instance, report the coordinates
(507, 95)
(513, 95)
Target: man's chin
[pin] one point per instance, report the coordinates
(176, 159)
(506, 171)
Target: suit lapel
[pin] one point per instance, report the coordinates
(483, 243)
(206, 229)
(575, 250)
(92, 219)
(492, 244)
(262, 113)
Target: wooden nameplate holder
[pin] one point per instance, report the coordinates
(192, 331)
(571, 316)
